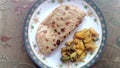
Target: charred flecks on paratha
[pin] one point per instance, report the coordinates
(57, 26)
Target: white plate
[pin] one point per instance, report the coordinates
(41, 10)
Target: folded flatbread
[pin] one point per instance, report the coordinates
(57, 26)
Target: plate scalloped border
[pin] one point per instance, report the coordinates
(36, 60)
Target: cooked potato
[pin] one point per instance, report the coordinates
(79, 52)
(87, 34)
(63, 53)
(87, 40)
(80, 45)
(90, 46)
(68, 43)
(81, 57)
(76, 40)
(73, 55)
(93, 32)
(81, 34)
(63, 49)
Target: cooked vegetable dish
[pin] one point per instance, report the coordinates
(82, 43)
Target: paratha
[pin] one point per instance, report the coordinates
(57, 26)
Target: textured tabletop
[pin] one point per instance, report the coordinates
(13, 53)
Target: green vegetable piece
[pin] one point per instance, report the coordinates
(95, 38)
(64, 59)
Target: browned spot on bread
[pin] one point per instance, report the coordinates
(76, 25)
(53, 25)
(53, 39)
(54, 44)
(62, 29)
(69, 32)
(53, 22)
(55, 30)
(42, 23)
(78, 18)
(61, 18)
(47, 47)
(67, 7)
(44, 31)
(59, 33)
(64, 36)
(64, 13)
(67, 23)
(47, 40)
(58, 42)
(79, 22)
(52, 49)
(57, 25)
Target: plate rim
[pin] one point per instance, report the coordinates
(39, 63)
